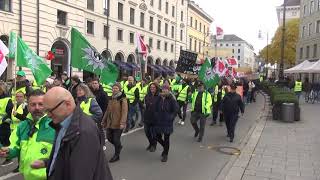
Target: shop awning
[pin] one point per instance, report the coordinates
(314, 68)
(133, 66)
(123, 65)
(302, 67)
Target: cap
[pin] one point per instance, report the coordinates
(21, 73)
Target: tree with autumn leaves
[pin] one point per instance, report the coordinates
(291, 39)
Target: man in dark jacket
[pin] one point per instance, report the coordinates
(77, 153)
(100, 95)
(231, 104)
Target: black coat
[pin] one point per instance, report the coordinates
(101, 98)
(231, 104)
(166, 111)
(80, 156)
(150, 102)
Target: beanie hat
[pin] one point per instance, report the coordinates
(118, 85)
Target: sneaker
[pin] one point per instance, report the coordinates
(213, 123)
(7, 162)
(164, 158)
(16, 170)
(104, 148)
(182, 123)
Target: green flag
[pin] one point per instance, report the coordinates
(12, 45)
(29, 59)
(84, 56)
(207, 75)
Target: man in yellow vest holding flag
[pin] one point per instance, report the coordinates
(219, 93)
(298, 88)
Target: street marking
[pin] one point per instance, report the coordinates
(10, 175)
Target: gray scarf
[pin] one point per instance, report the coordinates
(117, 95)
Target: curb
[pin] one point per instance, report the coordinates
(237, 164)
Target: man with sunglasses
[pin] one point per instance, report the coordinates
(32, 140)
(77, 153)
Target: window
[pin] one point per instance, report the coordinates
(142, 19)
(238, 58)
(158, 44)
(232, 44)
(90, 5)
(151, 23)
(303, 31)
(120, 11)
(61, 18)
(191, 21)
(233, 51)
(166, 29)
(309, 30)
(165, 46)
(172, 47)
(181, 16)
(5, 5)
(305, 10)
(221, 45)
(151, 2)
(159, 27)
(311, 7)
(239, 44)
(105, 31)
(150, 42)
(196, 25)
(131, 38)
(167, 7)
(172, 32)
(182, 2)
(308, 51)
(90, 27)
(181, 35)
(132, 12)
(315, 50)
(120, 35)
(301, 53)
(195, 45)
(160, 5)
(318, 26)
(239, 50)
(173, 11)
(227, 45)
(190, 43)
(200, 26)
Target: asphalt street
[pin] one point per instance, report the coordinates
(187, 160)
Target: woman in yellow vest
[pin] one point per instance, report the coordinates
(88, 103)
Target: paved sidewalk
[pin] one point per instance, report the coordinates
(285, 151)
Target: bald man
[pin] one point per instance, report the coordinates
(77, 153)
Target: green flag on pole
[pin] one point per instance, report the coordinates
(12, 45)
(84, 56)
(29, 59)
(207, 75)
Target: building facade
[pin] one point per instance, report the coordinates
(241, 49)
(46, 27)
(292, 11)
(309, 31)
(198, 33)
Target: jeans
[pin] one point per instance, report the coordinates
(150, 136)
(114, 136)
(298, 94)
(141, 108)
(249, 96)
(5, 132)
(195, 117)
(165, 142)
(182, 105)
(231, 121)
(132, 112)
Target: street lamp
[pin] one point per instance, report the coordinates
(205, 35)
(107, 13)
(281, 76)
(267, 59)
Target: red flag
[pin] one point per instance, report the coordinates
(142, 47)
(232, 62)
(220, 34)
(220, 68)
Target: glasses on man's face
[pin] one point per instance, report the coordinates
(54, 108)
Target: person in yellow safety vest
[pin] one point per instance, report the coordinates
(143, 90)
(124, 81)
(132, 93)
(261, 78)
(32, 140)
(183, 91)
(200, 110)
(20, 112)
(219, 93)
(22, 85)
(89, 105)
(298, 88)
(107, 88)
(35, 85)
(6, 107)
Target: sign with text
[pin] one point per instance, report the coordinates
(187, 62)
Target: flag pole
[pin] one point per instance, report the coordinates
(15, 75)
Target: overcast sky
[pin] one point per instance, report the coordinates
(244, 18)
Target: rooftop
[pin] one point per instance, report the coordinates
(229, 37)
(293, 3)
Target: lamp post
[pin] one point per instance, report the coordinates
(267, 58)
(281, 76)
(205, 35)
(107, 13)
